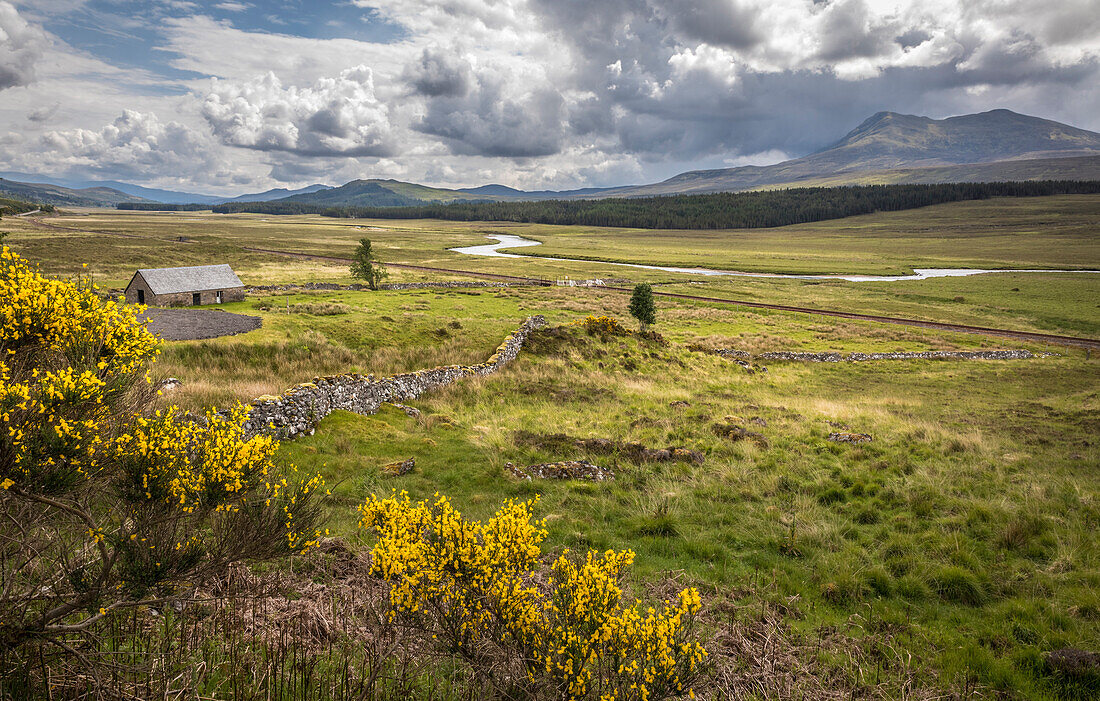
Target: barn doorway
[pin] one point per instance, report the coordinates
(196, 299)
(141, 296)
(218, 296)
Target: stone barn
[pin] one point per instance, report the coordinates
(181, 287)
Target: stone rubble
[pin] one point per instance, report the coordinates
(846, 437)
(831, 357)
(410, 411)
(731, 431)
(297, 411)
(566, 469)
(399, 467)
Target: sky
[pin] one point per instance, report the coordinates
(228, 96)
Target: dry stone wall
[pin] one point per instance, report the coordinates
(297, 411)
(863, 357)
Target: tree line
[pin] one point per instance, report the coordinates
(726, 210)
(158, 207)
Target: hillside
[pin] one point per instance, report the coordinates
(1032, 169)
(56, 194)
(380, 193)
(889, 141)
(10, 206)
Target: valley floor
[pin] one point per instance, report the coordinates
(945, 557)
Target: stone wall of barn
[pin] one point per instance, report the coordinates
(180, 299)
(297, 411)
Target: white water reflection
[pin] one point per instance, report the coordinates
(511, 241)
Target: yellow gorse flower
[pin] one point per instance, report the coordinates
(60, 424)
(57, 315)
(479, 582)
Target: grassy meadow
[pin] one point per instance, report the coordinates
(944, 558)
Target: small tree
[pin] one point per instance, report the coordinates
(366, 267)
(642, 307)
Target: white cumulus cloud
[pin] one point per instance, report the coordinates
(334, 117)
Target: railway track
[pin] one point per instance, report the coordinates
(1088, 343)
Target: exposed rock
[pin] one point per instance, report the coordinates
(410, 411)
(399, 467)
(1072, 662)
(168, 384)
(732, 354)
(564, 470)
(737, 433)
(635, 452)
(846, 437)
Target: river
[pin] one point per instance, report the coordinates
(493, 250)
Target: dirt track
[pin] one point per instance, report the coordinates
(194, 324)
(1090, 343)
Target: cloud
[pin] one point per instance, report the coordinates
(554, 93)
(21, 47)
(497, 115)
(440, 73)
(233, 6)
(42, 115)
(334, 117)
(136, 146)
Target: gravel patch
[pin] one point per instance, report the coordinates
(194, 324)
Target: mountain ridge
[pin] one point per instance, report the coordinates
(888, 141)
(887, 147)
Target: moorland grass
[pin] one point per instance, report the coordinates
(964, 528)
(963, 536)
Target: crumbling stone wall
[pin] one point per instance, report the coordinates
(829, 357)
(298, 410)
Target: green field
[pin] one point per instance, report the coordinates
(945, 557)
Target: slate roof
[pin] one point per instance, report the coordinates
(195, 278)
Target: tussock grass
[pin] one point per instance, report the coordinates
(963, 536)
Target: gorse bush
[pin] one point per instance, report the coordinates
(602, 326)
(481, 591)
(107, 507)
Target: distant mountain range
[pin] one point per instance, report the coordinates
(887, 148)
(108, 193)
(899, 148)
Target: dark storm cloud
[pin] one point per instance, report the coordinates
(440, 73)
(490, 122)
(716, 22)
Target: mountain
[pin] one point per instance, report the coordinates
(1076, 168)
(56, 194)
(152, 194)
(888, 141)
(275, 194)
(505, 193)
(381, 193)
